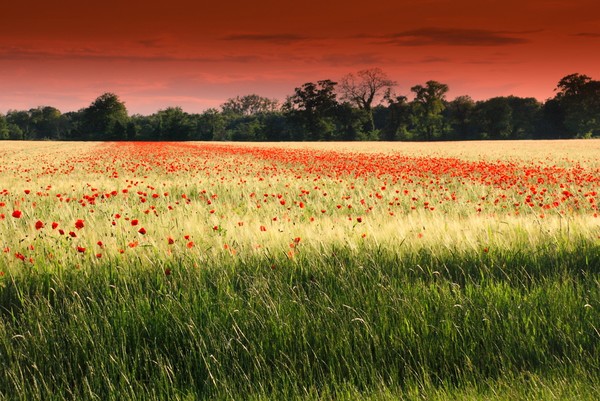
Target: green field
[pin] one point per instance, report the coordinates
(413, 272)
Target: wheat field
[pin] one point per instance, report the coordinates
(465, 270)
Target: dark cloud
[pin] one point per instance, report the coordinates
(594, 35)
(451, 37)
(152, 43)
(280, 39)
(428, 60)
(341, 59)
(15, 53)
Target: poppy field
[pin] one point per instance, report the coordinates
(133, 270)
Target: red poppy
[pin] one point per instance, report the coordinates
(134, 222)
(39, 225)
(170, 241)
(79, 224)
(80, 249)
(54, 225)
(142, 231)
(17, 214)
(190, 244)
(72, 234)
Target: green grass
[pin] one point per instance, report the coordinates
(340, 322)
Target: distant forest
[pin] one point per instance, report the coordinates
(362, 106)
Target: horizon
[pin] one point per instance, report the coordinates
(196, 56)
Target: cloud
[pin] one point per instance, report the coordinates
(593, 35)
(19, 53)
(428, 60)
(280, 39)
(339, 59)
(152, 43)
(451, 37)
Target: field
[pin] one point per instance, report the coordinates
(314, 271)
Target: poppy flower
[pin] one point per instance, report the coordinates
(134, 222)
(142, 231)
(170, 241)
(17, 214)
(79, 224)
(80, 249)
(39, 225)
(54, 225)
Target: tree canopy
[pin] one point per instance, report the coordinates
(362, 106)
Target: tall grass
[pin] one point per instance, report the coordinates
(330, 324)
(352, 295)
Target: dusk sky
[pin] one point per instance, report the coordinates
(196, 54)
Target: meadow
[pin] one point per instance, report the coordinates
(309, 271)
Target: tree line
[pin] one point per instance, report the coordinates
(362, 106)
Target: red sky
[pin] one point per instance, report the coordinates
(196, 54)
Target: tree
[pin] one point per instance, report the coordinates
(459, 114)
(3, 128)
(314, 106)
(572, 85)
(105, 119)
(364, 88)
(427, 109)
(526, 116)
(210, 126)
(249, 105)
(350, 122)
(19, 123)
(492, 119)
(47, 122)
(397, 119)
(173, 124)
(578, 98)
(245, 128)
